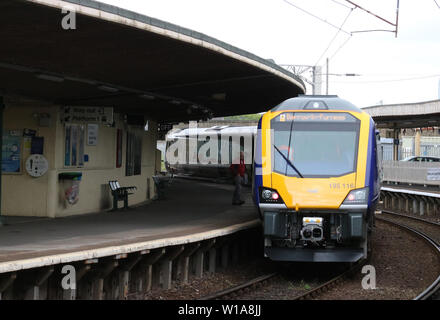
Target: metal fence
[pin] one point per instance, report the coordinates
(430, 150)
(424, 173)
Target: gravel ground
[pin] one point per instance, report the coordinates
(432, 218)
(405, 266)
(211, 283)
(429, 229)
(295, 279)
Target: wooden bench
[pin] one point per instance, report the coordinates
(120, 193)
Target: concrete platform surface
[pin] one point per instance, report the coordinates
(191, 207)
(429, 191)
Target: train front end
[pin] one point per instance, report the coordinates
(316, 180)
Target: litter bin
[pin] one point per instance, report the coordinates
(161, 182)
(71, 182)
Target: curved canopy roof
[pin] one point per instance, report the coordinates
(406, 115)
(134, 63)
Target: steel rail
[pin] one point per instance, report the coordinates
(239, 288)
(312, 293)
(410, 217)
(426, 294)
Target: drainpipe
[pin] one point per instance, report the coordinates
(396, 144)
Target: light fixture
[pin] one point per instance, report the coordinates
(108, 89)
(146, 97)
(175, 102)
(219, 96)
(270, 196)
(357, 196)
(49, 77)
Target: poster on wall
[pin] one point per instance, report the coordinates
(67, 146)
(74, 145)
(11, 152)
(92, 134)
(81, 145)
(37, 145)
(119, 148)
(74, 133)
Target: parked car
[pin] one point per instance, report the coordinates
(422, 159)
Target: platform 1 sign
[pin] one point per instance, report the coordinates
(433, 174)
(99, 115)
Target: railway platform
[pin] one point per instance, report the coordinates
(192, 208)
(412, 199)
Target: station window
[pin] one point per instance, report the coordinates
(74, 145)
(133, 153)
(119, 148)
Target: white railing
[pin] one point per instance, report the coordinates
(412, 172)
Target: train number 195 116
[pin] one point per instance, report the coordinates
(341, 185)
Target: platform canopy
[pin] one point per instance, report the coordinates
(134, 63)
(407, 115)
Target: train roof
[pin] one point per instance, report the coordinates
(316, 102)
(212, 130)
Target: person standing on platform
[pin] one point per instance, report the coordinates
(238, 171)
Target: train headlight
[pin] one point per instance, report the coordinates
(270, 196)
(358, 196)
(266, 194)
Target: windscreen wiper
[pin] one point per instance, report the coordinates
(288, 161)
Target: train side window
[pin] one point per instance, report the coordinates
(378, 149)
(133, 153)
(230, 149)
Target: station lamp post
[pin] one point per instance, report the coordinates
(316, 75)
(336, 74)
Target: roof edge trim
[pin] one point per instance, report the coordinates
(129, 18)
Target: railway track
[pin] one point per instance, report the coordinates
(256, 283)
(313, 293)
(232, 292)
(419, 226)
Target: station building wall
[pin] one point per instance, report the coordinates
(23, 195)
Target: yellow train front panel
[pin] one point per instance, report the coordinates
(313, 193)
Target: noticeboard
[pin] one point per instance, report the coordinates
(11, 152)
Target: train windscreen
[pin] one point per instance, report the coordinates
(315, 145)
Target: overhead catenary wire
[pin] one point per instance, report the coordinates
(344, 5)
(391, 80)
(340, 47)
(316, 17)
(335, 36)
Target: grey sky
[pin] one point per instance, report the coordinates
(393, 70)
